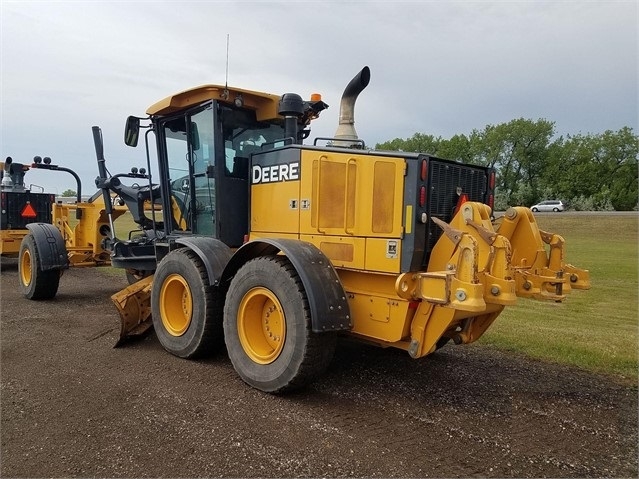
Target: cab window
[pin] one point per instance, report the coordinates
(189, 145)
(244, 135)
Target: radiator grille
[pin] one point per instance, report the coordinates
(445, 180)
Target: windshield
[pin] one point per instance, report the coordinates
(244, 135)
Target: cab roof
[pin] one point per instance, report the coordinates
(264, 104)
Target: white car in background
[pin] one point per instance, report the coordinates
(549, 205)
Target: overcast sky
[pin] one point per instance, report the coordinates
(437, 67)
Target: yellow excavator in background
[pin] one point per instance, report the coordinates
(276, 248)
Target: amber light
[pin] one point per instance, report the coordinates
(491, 182)
(316, 97)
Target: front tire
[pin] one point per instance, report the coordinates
(535, 210)
(186, 309)
(35, 282)
(267, 327)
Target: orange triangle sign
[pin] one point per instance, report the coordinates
(28, 211)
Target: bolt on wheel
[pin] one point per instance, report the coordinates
(261, 325)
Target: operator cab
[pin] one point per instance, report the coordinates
(205, 137)
(204, 163)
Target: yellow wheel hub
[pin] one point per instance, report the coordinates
(261, 325)
(25, 267)
(176, 305)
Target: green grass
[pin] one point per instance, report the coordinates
(595, 329)
(124, 224)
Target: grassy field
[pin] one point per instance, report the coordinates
(595, 329)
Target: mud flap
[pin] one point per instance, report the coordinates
(134, 305)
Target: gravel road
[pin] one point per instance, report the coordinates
(73, 406)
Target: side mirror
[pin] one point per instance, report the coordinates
(195, 137)
(132, 131)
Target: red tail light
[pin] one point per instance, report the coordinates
(491, 181)
(424, 170)
(491, 202)
(422, 196)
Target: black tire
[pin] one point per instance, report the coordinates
(186, 309)
(556, 210)
(283, 354)
(135, 275)
(34, 282)
(535, 210)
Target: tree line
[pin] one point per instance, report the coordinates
(586, 171)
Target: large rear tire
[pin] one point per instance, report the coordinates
(35, 282)
(186, 309)
(267, 327)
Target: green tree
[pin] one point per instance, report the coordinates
(601, 168)
(69, 192)
(589, 171)
(419, 143)
(518, 150)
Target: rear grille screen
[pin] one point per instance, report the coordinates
(446, 181)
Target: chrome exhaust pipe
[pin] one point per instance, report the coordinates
(346, 133)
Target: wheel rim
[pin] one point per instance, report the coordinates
(25, 267)
(261, 325)
(176, 305)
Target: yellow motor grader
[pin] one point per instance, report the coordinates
(49, 236)
(276, 248)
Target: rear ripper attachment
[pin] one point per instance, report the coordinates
(485, 270)
(538, 274)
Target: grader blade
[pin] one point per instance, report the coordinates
(539, 274)
(134, 305)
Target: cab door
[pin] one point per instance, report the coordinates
(189, 148)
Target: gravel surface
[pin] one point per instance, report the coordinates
(73, 406)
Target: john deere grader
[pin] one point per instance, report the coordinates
(276, 248)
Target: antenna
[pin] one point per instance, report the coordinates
(226, 84)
